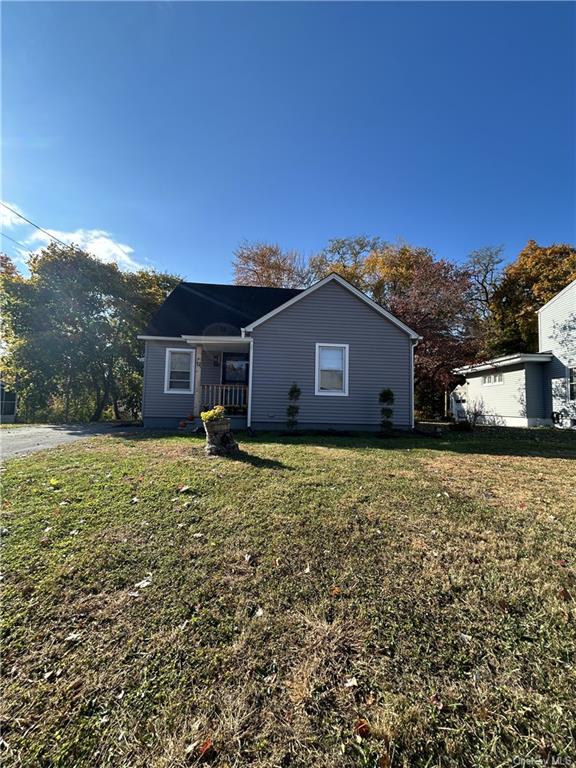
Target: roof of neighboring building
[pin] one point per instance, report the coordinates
(206, 309)
(503, 362)
(560, 293)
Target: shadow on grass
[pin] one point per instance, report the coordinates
(258, 461)
(493, 441)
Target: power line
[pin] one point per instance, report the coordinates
(2, 234)
(34, 225)
(52, 237)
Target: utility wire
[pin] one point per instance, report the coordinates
(2, 234)
(34, 225)
(52, 237)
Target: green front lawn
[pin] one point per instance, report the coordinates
(321, 602)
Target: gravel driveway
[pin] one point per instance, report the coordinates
(20, 440)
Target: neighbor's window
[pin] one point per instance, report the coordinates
(493, 378)
(572, 384)
(331, 369)
(179, 374)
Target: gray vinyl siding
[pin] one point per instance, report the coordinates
(155, 403)
(557, 334)
(210, 373)
(284, 352)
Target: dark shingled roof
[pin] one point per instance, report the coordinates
(204, 309)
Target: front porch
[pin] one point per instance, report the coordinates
(223, 378)
(234, 397)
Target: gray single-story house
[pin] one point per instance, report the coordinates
(528, 390)
(244, 347)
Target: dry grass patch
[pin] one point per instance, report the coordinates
(326, 602)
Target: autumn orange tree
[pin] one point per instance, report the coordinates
(536, 276)
(266, 264)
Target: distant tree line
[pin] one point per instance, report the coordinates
(464, 312)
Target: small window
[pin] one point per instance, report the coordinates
(179, 373)
(235, 368)
(331, 369)
(572, 384)
(493, 378)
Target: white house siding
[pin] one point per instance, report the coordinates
(516, 402)
(557, 334)
(284, 353)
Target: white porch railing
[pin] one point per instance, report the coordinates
(228, 395)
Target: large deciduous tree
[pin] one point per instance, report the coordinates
(71, 343)
(266, 264)
(536, 276)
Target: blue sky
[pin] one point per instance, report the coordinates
(179, 129)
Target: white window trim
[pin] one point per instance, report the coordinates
(192, 353)
(493, 383)
(324, 393)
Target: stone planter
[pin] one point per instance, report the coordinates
(219, 438)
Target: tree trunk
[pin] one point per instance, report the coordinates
(115, 405)
(102, 402)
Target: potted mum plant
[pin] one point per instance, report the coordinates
(219, 438)
(215, 420)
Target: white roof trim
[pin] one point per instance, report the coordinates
(160, 338)
(560, 293)
(217, 339)
(341, 281)
(502, 362)
(200, 339)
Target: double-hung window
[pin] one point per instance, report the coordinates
(179, 371)
(331, 369)
(572, 384)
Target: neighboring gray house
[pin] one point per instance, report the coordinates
(244, 347)
(527, 390)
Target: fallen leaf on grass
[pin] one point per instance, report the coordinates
(197, 535)
(436, 701)
(143, 584)
(134, 500)
(72, 637)
(184, 489)
(335, 591)
(206, 751)
(565, 595)
(258, 613)
(350, 682)
(362, 728)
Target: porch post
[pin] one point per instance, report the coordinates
(198, 382)
(250, 361)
